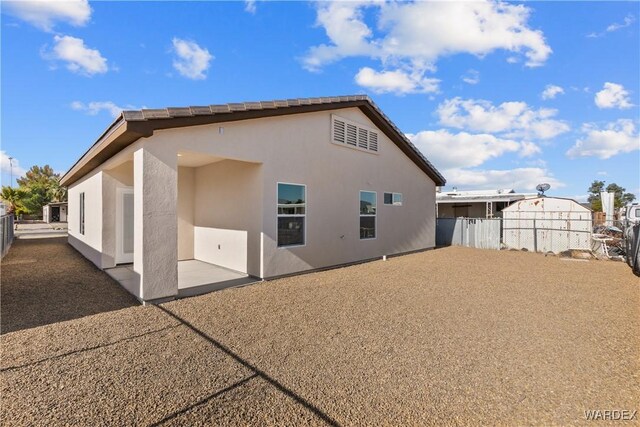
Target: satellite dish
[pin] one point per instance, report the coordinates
(542, 188)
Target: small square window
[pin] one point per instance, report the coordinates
(393, 199)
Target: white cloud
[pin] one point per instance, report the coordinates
(514, 119)
(551, 91)
(192, 61)
(613, 95)
(463, 150)
(414, 36)
(628, 20)
(250, 6)
(396, 81)
(45, 14)
(94, 107)
(5, 165)
(78, 57)
(521, 179)
(528, 149)
(471, 77)
(617, 137)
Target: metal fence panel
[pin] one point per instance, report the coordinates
(472, 232)
(6, 236)
(546, 232)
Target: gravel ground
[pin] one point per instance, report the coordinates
(455, 336)
(46, 281)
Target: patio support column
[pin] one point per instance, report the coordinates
(155, 177)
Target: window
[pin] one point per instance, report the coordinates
(292, 211)
(353, 135)
(394, 199)
(368, 203)
(81, 213)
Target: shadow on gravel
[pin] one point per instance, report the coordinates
(46, 281)
(257, 373)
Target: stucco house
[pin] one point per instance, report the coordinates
(261, 189)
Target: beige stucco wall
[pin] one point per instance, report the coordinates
(89, 243)
(298, 149)
(155, 258)
(228, 197)
(240, 193)
(186, 192)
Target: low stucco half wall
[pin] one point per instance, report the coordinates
(226, 248)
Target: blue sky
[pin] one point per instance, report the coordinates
(497, 95)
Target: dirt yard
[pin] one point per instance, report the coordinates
(46, 281)
(454, 336)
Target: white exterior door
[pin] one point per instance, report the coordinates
(124, 226)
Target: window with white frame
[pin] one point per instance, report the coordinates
(81, 213)
(368, 208)
(292, 212)
(393, 199)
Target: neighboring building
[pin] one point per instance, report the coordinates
(262, 188)
(55, 212)
(477, 204)
(547, 224)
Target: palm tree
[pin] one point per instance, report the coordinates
(57, 193)
(13, 197)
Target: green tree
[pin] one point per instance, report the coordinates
(57, 193)
(38, 175)
(594, 195)
(621, 197)
(39, 186)
(35, 197)
(13, 197)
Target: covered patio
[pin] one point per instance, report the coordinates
(194, 277)
(200, 227)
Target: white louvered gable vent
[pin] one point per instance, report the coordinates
(353, 135)
(373, 141)
(363, 138)
(338, 131)
(352, 131)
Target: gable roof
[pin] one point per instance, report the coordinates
(132, 125)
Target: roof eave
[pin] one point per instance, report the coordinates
(132, 125)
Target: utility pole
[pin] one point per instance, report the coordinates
(11, 171)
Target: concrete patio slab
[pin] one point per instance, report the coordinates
(194, 277)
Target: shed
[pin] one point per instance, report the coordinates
(547, 224)
(54, 212)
